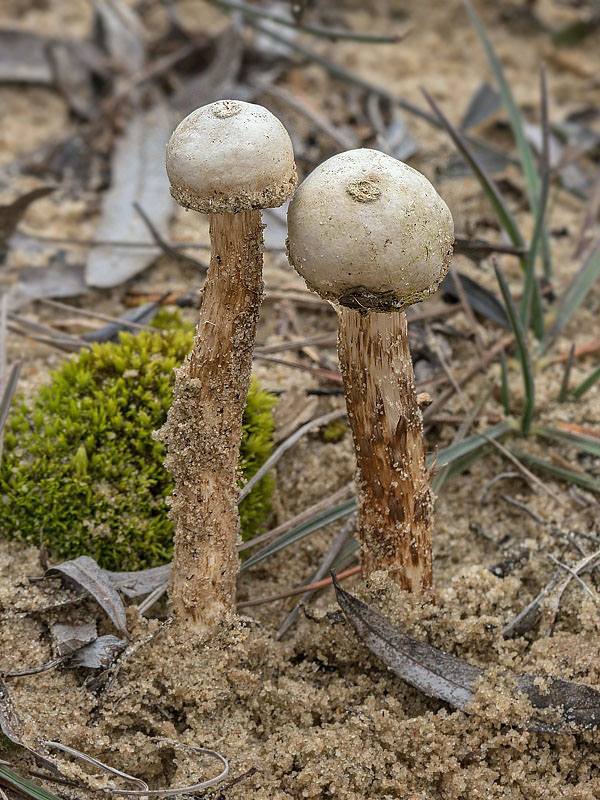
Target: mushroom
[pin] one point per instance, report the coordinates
(228, 159)
(371, 235)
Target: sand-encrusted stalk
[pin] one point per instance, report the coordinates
(394, 499)
(204, 425)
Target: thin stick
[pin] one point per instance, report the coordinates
(573, 574)
(84, 312)
(118, 243)
(344, 140)
(322, 339)
(522, 507)
(456, 386)
(328, 33)
(299, 589)
(164, 245)
(318, 372)
(520, 466)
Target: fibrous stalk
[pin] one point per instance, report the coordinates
(395, 502)
(204, 425)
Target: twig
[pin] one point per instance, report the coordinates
(300, 589)
(521, 467)
(522, 507)
(526, 618)
(573, 574)
(340, 137)
(438, 351)
(318, 372)
(328, 33)
(165, 246)
(84, 312)
(61, 344)
(118, 243)
(285, 446)
(153, 598)
(321, 339)
(20, 673)
(502, 476)
(46, 330)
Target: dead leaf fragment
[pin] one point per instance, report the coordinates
(36, 283)
(98, 654)
(70, 638)
(447, 678)
(89, 576)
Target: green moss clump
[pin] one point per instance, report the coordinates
(334, 432)
(81, 470)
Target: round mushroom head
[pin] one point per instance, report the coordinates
(369, 232)
(230, 156)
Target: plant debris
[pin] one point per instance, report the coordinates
(575, 706)
(85, 573)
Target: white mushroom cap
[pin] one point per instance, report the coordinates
(230, 156)
(368, 231)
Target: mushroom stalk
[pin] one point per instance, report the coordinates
(394, 499)
(204, 426)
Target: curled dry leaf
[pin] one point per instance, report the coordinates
(89, 576)
(70, 638)
(447, 678)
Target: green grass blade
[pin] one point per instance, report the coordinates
(23, 786)
(574, 296)
(586, 444)
(564, 384)
(528, 165)
(523, 350)
(587, 384)
(455, 458)
(300, 531)
(563, 473)
(504, 388)
(514, 114)
(531, 301)
(487, 183)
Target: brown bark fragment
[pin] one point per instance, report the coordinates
(204, 425)
(394, 499)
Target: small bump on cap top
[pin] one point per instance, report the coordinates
(369, 232)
